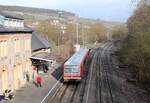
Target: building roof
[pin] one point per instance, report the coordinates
(10, 29)
(15, 29)
(39, 42)
(9, 16)
(77, 57)
(43, 56)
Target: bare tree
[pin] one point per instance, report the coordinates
(136, 48)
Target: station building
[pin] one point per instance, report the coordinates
(41, 51)
(15, 52)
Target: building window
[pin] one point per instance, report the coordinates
(21, 24)
(6, 22)
(27, 44)
(10, 22)
(3, 48)
(1, 20)
(17, 46)
(0, 49)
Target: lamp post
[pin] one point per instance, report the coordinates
(59, 17)
(82, 32)
(77, 33)
(77, 46)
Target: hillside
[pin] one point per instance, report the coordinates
(35, 14)
(31, 14)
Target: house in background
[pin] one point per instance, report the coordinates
(15, 51)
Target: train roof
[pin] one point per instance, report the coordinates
(77, 58)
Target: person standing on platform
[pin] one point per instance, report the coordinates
(34, 74)
(39, 80)
(27, 76)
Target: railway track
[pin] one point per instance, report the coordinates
(71, 92)
(103, 88)
(115, 78)
(63, 94)
(105, 66)
(103, 91)
(111, 84)
(98, 79)
(95, 86)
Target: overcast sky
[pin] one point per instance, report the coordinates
(111, 10)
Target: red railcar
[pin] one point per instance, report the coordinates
(73, 68)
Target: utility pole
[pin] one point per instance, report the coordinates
(82, 30)
(77, 32)
(59, 18)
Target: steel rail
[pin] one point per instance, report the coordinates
(55, 85)
(106, 71)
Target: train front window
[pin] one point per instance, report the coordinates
(72, 71)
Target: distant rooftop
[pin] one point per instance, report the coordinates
(39, 42)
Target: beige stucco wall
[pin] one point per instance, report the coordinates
(16, 61)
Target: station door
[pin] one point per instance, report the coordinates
(4, 79)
